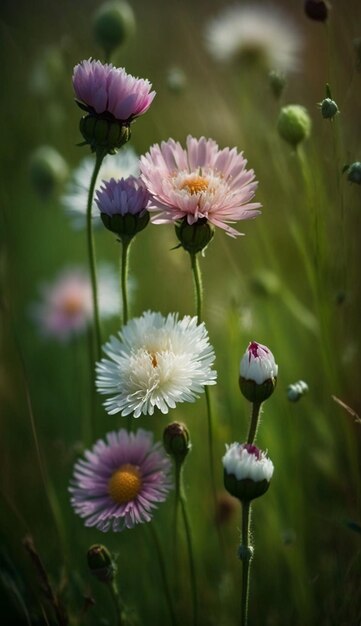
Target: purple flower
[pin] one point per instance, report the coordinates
(121, 481)
(122, 196)
(105, 89)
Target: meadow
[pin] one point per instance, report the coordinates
(291, 283)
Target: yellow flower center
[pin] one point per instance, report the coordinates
(195, 184)
(125, 484)
(153, 359)
(72, 305)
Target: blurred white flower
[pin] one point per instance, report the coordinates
(120, 165)
(66, 306)
(254, 34)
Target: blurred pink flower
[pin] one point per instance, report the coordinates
(200, 181)
(66, 307)
(108, 89)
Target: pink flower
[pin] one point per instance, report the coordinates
(198, 182)
(108, 89)
(122, 196)
(258, 364)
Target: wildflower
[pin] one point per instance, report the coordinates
(247, 471)
(122, 205)
(200, 184)
(254, 35)
(113, 24)
(120, 481)
(66, 308)
(112, 99)
(123, 164)
(294, 124)
(258, 373)
(296, 390)
(156, 362)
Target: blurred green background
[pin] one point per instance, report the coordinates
(291, 283)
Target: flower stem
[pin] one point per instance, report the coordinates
(163, 572)
(256, 410)
(188, 532)
(118, 605)
(124, 279)
(245, 556)
(198, 290)
(198, 287)
(91, 250)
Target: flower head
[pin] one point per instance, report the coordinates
(120, 481)
(156, 362)
(105, 89)
(261, 35)
(258, 372)
(122, 205)
(121, 165)
(67, 307)
(247, 471)
(198, 183)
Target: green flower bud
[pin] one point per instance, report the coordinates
(353, 172)
(176, 441)
(328, 108)
(126, 226)
(48, 170)
(254, 392)
(294, 124)
(277, 81)
(113, 24)
(101, 132)
(101, 564)
(317, 10)
(194, 237)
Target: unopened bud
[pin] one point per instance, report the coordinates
(317, 10)
(353, 172)
(101, 564)
(294, 124)
(277, 81)
(176, 440)
(113, 24)
(258, 373)
(194, 237)
(247, 471)
(328, 108)
(296, 390)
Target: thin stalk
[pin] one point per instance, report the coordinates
(92, 392)
(163, 572)
(256, 411)
(198, 290)
(91, 251)
(198, 287)
(246, 552)
(118, 605)
(188, 532)
(124, 279)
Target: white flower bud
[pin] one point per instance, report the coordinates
(258, 373)
(247, 471)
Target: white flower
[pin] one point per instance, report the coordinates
(247, 461)
(260, 33)
(258, 364)
(120, 165)
(66, 307)
(156, 362)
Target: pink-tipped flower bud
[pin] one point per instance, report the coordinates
(258, 373)
(247, 471)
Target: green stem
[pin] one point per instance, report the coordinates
(163, 572)
(256, 410)
(124, 279)
(198, 288)
(118, 605)
(188, 532)
(91, 250)
(246, 556)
